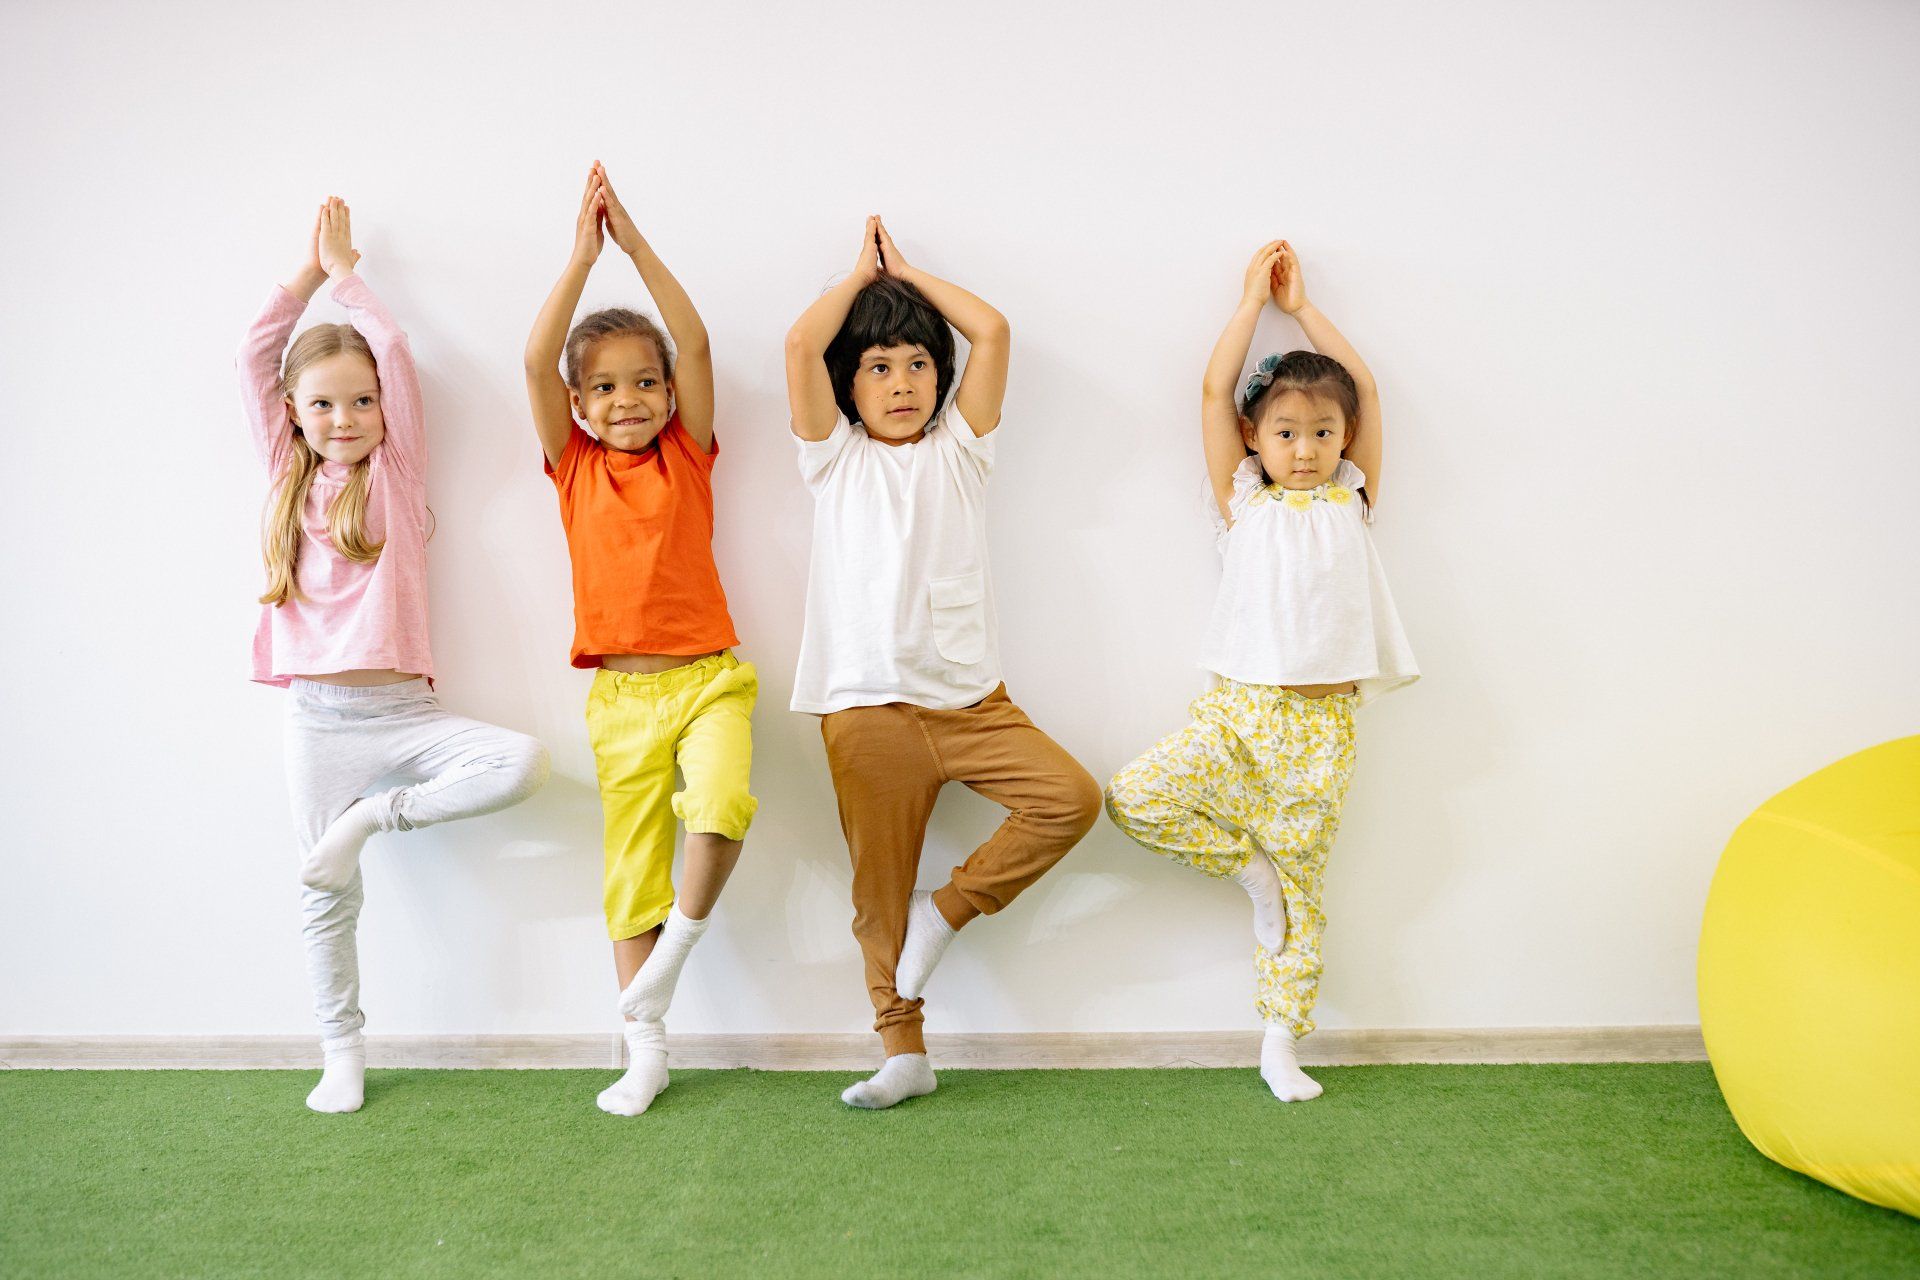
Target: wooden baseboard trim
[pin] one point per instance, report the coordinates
(856, 1052)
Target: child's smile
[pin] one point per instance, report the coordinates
(624, 394)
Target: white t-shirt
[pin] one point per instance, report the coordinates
(1303, 599)
(899, 597)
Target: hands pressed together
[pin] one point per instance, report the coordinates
(330, 252)
(1275, 273)
(878, 254)
(601, 215)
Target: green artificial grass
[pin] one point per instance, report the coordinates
(1616, 1171)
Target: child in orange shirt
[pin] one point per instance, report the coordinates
(636, 498)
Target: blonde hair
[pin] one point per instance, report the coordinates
(347, 513)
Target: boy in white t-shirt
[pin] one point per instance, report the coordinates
(899, 657)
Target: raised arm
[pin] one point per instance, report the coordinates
(809, 388)
(1366, 444)
(693, 366)
(989, 341)
(546, 389)
(1219, 403)
(400, 407)
(261, 351)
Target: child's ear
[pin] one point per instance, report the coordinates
(573, 399)
(1248, 433)
(293, 415)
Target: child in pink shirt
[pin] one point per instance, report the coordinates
(343, 623)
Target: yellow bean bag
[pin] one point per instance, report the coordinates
(1810, 976)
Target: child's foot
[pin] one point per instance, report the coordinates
(343, 1078)
(928, 934)
(651, 991)
(646, 1076)
(905, 1075)
(1262, 884)
(335, 856)
(1281, 1069)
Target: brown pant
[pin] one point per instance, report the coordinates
(889, 763)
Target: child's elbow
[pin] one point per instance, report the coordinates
(694, 346)
(799, 345)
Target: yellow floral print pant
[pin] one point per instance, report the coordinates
(1260, 770)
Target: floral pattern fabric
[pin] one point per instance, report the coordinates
(1261, 770)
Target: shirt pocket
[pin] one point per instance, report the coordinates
(960, 617)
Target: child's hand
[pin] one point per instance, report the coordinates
(1289, 289)
(866, 269)
(1260, 273)
(619, 224)
(588, 238)
(890, 260)
(333, 244)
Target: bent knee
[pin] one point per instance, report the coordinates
(725, 811)
(531, 763)
(1128, 796)
(1073, 805)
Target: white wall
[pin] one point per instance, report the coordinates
(1638, 281)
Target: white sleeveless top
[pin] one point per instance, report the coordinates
(1303, 599)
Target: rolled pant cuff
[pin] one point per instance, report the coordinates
(903, 1037)
(957, 908)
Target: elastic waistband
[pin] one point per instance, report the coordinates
(320, 691)
(1281, 693)
(651, 682)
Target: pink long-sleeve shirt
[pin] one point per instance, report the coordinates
(345, 616)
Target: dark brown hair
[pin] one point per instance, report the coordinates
(613, 322)
(1307, 371)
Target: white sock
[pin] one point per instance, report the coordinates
(336, 854)
(651, 991)
(343, 1078)
(928, 934)
(1262, 884)
(903, 1076)
(1281, 1069)
(646, 1074)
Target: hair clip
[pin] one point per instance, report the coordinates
(1262, 376)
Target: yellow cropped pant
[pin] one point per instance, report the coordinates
(697, 717)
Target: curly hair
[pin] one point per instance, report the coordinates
(613, 322)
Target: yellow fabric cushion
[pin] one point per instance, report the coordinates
(1810, 976)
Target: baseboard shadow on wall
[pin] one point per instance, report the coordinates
(860, 1052)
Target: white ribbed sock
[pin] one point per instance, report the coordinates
(651, 991)
(646, 1074)
(1280, 1068)
(902, 1076)
(343, 1078)
(1262, 884)
(335, 856)
(928, 934)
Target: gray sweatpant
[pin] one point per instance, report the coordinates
(342, 741)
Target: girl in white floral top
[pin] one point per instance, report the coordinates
(1303, 630)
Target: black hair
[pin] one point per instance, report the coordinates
(889, 313)
(1307, 371)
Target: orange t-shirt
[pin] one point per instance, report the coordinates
(640, 533)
